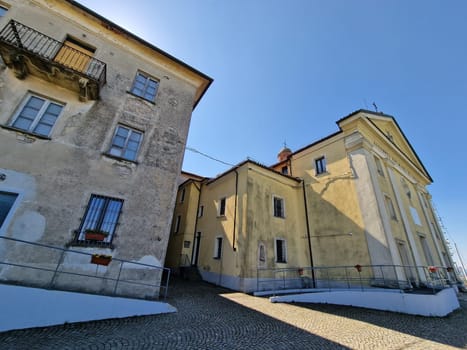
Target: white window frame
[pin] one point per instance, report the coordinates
(284, 253)
(282, 214)
(38, 116)
(147, 78)
(123, 149)
(319, 170)
(201, 211)
(218, 242)
(219, 206)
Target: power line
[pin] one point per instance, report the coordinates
(207, 156)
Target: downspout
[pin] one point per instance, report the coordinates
(308, 234)
(235, 212)
(196, 220)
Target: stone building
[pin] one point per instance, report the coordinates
(356, 197)
(93, 123)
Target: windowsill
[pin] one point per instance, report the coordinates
(221, 217)
(144, 99)
(119, 158)
(91, 244)
(281, 262)
(37, 136)
(216, 258)
(279, 217)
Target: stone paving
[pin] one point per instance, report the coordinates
(210, 317)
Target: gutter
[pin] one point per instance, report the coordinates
(235, 211)
(308, 235)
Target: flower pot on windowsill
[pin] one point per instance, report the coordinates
(101, 259)
(358, 267)
(95, 235)
(432, 269)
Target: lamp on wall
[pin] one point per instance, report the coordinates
(2, 177)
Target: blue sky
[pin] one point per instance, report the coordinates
(287, 70)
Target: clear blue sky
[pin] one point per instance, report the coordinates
(287, 70)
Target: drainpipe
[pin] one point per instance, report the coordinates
(308, 234)
(196, 221)
(235, 212)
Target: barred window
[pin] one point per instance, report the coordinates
(102, 214)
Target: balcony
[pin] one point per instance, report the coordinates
(27, 51)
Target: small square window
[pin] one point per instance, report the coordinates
(218, 248)
(279, 211)
(126, 143)
(37, 115)
(186, 244)
(320, 165)
(222, 207)
(281, 250)
(101, 215)
(144, 86)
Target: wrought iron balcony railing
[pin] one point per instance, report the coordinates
(27, 41)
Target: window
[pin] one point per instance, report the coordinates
(101, 214)
(182, 195)
(37, 115)
(279, 211)
(281, 250)
(415, 217)
(145, 87)
(285, 170)
(125, 143)
(3, 11)
(426, 250)
(218, 248)
(222, 207)
(186, 244)
(379, 166)
(320, 165)
(390, 207)
(75, 54)
(7, 200)
(177, 224)
(201, 211)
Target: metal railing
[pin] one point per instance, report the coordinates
(28, 39)
(51, 267)
(356, 277)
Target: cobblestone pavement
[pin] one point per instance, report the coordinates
(210, 317)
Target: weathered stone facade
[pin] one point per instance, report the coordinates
(53, 176)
